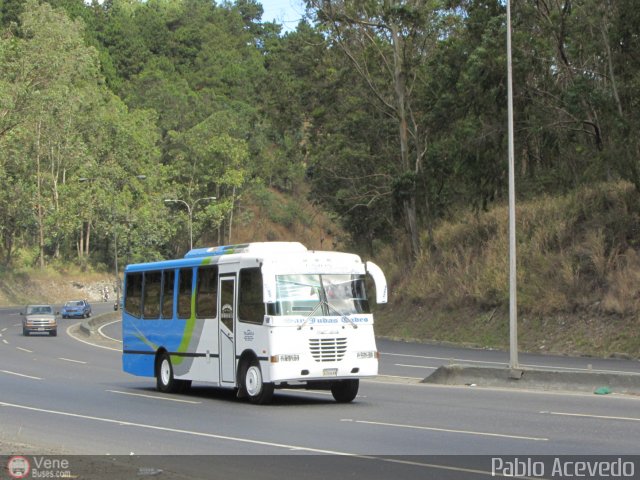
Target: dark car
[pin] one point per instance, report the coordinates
(76, 309)
(39, 319)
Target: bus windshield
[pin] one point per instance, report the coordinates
(320, 294)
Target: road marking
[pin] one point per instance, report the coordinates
(175, 430)
(586, 415)
(89, 343)
(24, 350)
(4, 329)
(447, 430)
(155, 397)
(20, 374)
(5, 342)
(70, 360)
(483, 362)
(250, 441)
(17, 324)
(415, 366)
(107, 336)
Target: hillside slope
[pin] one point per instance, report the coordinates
(578, 277)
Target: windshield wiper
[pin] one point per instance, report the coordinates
(315, 309)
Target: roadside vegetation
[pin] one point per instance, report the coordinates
(377, 127)
(578, 276)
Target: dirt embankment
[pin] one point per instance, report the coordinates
(21, 289)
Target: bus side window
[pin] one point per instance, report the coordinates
(185, 281)
(168, 277)
(250, 301)
(207, 296)
(151, 303)
(133, 297)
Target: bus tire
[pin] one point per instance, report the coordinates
(344, 391)
(257, 391)
(164, 375)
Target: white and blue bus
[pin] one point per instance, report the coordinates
(252, 317)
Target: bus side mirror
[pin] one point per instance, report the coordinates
(378, 278)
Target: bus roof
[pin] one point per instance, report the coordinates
(256, 248)
(289, 257)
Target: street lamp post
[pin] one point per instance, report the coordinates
(513, 302)
(190, 212)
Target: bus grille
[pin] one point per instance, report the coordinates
(328, 349)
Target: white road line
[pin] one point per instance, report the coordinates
(414, 366)
(89, 343)
(107, 336)
(4, 329)
(175, 430)
(155, 397)
(70, 360)
(20, 374)
(484, 362)
(250, 441)
(5, 342)
(586, 415)
(24, 349)
(448, 430)
(17, 324)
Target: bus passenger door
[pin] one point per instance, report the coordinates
(227, 289)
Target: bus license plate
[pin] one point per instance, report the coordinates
(330, 372)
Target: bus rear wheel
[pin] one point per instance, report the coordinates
(165, 382)
(344, 391)
(257, 390)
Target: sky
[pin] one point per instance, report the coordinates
(285, 12)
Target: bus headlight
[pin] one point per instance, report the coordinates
(369, 354)
(285, 358)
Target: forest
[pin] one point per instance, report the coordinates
(390, 116)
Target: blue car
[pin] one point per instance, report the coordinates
(76, 309)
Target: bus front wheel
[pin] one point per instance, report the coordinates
(258, 391)
(344, 391)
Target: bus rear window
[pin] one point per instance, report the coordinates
(133, 297)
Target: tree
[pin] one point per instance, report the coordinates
(386, 43)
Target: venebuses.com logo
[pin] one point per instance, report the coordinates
(18, 467)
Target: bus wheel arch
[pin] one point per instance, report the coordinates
(165, 381)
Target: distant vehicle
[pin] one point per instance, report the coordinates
(39, 319)
(76, 309)
(253, 317)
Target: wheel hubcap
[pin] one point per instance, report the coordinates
(253, 381)
(165, 372)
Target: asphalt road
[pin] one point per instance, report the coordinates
(61, 394)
